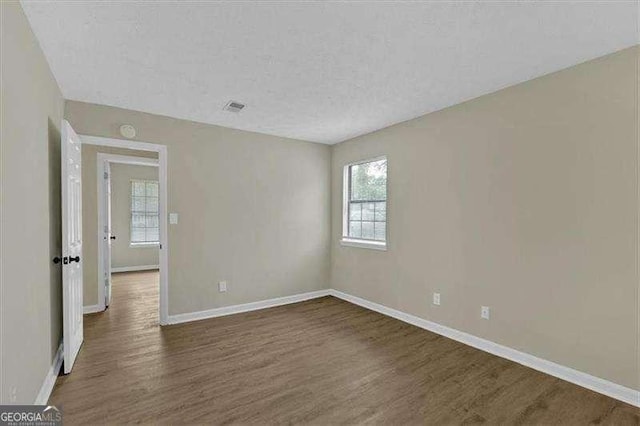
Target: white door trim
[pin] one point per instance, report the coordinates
(161, 162)
(102, 160)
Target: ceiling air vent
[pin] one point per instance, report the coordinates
(233, 106)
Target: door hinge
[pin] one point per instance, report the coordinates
(106, 175)
(160, 246)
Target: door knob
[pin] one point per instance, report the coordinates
(74, 259)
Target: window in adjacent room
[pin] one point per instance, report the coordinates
(145, 224)
(365, 204)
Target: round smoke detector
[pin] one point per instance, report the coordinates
(128, 131)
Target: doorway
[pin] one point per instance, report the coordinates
(128, 217)
(144, 198)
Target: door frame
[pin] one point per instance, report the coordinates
(161, 162)
(102, 160)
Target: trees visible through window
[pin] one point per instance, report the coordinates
(367, 200)
(145, 224)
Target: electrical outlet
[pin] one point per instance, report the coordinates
(222, 286)
(485, 313)
(436, 299)
(14, 394)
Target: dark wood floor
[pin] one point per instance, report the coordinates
(324, 361)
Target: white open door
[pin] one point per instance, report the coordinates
(108, 235)
(71, 169)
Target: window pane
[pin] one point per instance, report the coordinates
(153, 235)
(367, 211)
(355, 211)
(152, 204)
(152, 189)
(369, 181)
(138, 187)
(355, 229)
(152, 221)
(367, 195)
(367, 230)
(381, 211)
(380, 231)
(138, 220)
(137, 204)
(137, 235)
(144, 211)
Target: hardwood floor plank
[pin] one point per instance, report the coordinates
(323, 361)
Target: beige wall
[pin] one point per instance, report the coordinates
(30, 284)
(525, 200)
(90, 214)
(254, 209)
(122, 253)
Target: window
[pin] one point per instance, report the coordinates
(145, 224)
(365, 204)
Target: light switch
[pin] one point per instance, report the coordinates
(436, 299)
(173, 218)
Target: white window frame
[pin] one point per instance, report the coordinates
(141, 244)
(358, 242)
(144, 245)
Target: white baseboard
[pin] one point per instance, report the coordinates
(579, 378)
(246, 307)
(135, 268)
(50, 379)
(596, 384)
(91, 309)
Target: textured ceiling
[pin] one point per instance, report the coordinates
(319, 71)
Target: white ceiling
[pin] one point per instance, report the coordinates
(319, 71)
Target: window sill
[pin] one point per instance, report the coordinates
(366, 244)
(144, 245)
